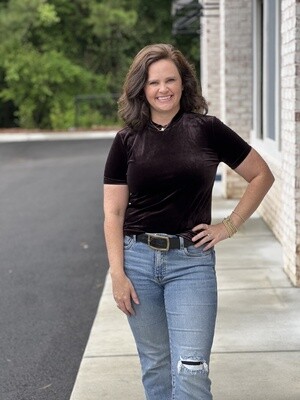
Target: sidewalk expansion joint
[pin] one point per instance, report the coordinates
(112, 356)
(256, 288)
(256, 352)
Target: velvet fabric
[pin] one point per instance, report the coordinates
(171, 173)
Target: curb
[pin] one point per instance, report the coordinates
(34, 137)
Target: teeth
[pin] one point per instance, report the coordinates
(163, 97)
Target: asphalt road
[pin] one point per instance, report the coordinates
(52, 263)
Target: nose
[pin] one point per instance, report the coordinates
(163, 87)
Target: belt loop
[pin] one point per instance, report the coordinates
(181, 241)
(134, 238)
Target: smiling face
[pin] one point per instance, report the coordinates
(163, 90)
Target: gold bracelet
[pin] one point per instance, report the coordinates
(227, 228)
(230, 227)
(234, 212)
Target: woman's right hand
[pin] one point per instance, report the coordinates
(124, 293)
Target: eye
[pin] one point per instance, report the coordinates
(152, 83)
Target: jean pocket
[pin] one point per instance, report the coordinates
(193, 251)
(128, 242)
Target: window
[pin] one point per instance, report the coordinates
(266, 70)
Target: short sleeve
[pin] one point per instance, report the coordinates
(231, 148)
(115, 171)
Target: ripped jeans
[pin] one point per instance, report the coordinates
(175, 320)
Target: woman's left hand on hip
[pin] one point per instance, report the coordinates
(209, 235)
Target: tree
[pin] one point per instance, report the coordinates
(113, 24)
(40, 72)
(54, 50)
(43, 86)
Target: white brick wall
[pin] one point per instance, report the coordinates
(290, 130)
(281, 207)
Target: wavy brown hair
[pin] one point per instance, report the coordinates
(133, 106)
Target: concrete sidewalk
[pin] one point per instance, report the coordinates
(256, 351)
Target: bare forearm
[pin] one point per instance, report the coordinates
(113, 230)
(251, 199)
(115, 203)
(260, 178)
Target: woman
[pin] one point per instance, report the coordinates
(158, 185)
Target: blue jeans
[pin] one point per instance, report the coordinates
(175, 320)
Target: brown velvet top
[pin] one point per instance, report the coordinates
(170, 174)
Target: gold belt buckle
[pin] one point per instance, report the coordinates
(167, 239)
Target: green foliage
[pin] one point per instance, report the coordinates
(112, 25)
(100, 109)
(62, 113)
(44, 84)
(110, 22)
(155, 22)
(54, 50)
(47, 14)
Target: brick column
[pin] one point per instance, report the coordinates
(210, 55)
(236, 78)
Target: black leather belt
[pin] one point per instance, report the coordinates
(162, 243)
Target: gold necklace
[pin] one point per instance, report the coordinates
(158, 127)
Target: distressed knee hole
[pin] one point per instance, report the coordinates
(192, 365)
